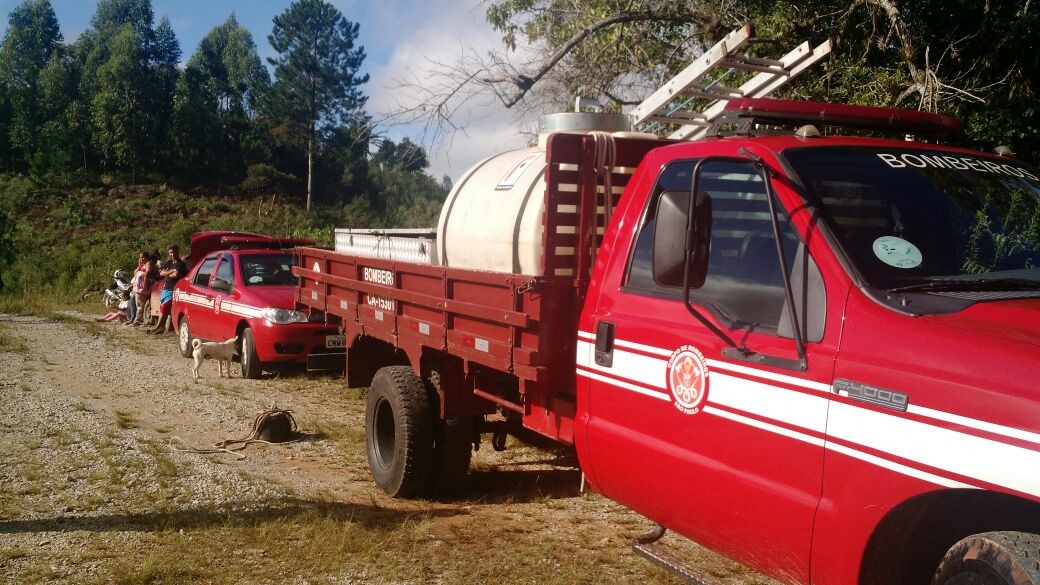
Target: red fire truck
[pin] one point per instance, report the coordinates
(815, 354)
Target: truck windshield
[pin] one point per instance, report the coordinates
(268, 269)
(912, 219)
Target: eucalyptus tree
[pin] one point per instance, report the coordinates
(217, 101)
(32, 36)
(119, 110)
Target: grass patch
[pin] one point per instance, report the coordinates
(329, 542)
(125, 420)
(11, 342)
(343, 435)
(27, 304)
(155, 571)
(9, 554)
(165, 469)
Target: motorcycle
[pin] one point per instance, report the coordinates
(118, 291)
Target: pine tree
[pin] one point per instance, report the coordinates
(317, 72)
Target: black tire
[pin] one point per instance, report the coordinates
(184, 338)
(452, 449)
(252, 367)
(992, 558)
(399, 432)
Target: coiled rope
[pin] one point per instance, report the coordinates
(266, 424)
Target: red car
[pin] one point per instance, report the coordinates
(241, 284)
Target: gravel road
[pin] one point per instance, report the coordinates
(92, 486)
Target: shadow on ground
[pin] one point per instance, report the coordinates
(366, 515)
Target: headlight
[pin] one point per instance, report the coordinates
(283, 316)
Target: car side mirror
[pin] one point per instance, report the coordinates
(220, 284)
(677, 238)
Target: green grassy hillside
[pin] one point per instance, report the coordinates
(67, 240)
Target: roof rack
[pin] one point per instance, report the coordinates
(671, 104)
(745, 114)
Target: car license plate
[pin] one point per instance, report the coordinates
(335, 341)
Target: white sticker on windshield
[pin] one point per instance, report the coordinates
(897, 252)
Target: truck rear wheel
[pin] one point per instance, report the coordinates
(992, 558)
(399, 432)
(451, 453)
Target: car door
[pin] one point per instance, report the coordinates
(195, 299)
(222, 287)
(722, 449)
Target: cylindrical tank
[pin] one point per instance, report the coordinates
(492, 219)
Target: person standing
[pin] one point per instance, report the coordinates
(140, 286)
(174, 271)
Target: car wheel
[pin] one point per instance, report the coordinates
(251, 365)
(399, 432)
(991, 558)
(184, 338)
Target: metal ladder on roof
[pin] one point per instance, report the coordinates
(671, 104)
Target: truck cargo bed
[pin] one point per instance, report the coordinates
(523, 327)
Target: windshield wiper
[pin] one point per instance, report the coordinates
(980, 285)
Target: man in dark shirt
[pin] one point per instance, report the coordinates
(175, 270)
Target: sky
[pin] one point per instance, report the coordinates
(400, 37)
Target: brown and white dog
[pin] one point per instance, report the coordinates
(222, 352)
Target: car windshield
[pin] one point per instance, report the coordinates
(267, 269)
(919, 219)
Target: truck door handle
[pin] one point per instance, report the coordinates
(605, 344)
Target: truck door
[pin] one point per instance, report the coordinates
(721, 449)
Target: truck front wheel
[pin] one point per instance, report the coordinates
(992, 558)
(399, 432)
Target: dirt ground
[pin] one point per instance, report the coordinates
(94, 488)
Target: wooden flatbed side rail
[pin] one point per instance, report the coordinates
(508, 322)
(468, 309)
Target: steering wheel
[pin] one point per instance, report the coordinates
(1019, 260)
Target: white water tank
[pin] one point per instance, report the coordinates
(492, 219)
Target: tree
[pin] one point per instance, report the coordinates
(163, 83)
(317, 72)
(64, 135)
(405, 155)
(32, 36)
(195, 127)
(975, 59)
(122, 122)
(111, 16)
(218, 100)
(342, 167)
(401, 188)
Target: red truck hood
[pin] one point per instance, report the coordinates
(279, 297)
(1016, 321)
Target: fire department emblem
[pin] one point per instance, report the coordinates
(216, 305)
(688, 379)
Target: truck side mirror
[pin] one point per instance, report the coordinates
(677, 238)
